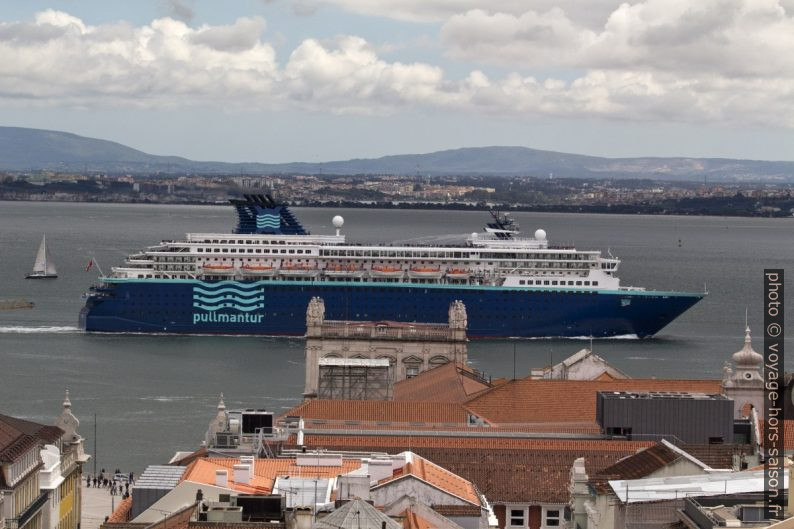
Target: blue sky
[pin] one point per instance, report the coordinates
(312, 80)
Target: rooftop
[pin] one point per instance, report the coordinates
(380, 411)
(265, 472)
(528, 400)
(667, 488)
(436, 476)
(356, 514)
(502, 469)
(450, 382)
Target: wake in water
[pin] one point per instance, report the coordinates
(21, 329)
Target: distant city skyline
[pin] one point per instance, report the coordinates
(320, 80)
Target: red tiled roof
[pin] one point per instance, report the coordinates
(411, 520)
(396, 443)
(18, 437)
(457, 510)
(642, 463)
(446, 383)
(502, 469)
(788, 433)
(527, 400)
(380, 411)
(438, 477)
(265, 472)
(122, 512)
(719, 456)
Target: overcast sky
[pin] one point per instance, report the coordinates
(313, 80)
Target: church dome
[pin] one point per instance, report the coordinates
(747, 357)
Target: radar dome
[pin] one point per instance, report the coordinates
(474, 235)
(338, 221)
(540, 235)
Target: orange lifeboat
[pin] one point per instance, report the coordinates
(425, 272)
(458, 273)
(257, 270)
(225, 270)
(340, 270)
(387, 271)
(298, 270)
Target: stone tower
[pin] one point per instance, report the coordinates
(745, 383)
(458, 320)
(315, 317)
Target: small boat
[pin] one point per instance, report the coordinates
(458, 273)
(259, 271)
(14, 304)
(343, 271)
(425, 273)
(43, 268)
(298, 270)
(218, 270)
(386, 271)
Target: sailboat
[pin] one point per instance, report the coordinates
(43, 268)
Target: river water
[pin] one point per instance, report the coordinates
(153, 395)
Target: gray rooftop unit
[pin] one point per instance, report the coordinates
(696, 418)
(155, 482)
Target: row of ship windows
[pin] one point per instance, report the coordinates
(250, 250)
(552, 282)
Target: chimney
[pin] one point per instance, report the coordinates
(242, 474)
(222, 478)
(379, 469)
(251, 462)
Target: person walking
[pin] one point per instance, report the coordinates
(94, 481)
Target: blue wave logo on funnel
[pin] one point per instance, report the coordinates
(228, 295)
(268, 220)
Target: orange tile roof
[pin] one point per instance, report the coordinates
(526, 400)
(411, 520)
(436, 476)
(380, 411)
(399, 443)
(447, 383)
(265, 472)
(122, 512)
(788, 433)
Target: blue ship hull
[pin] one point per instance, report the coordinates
(279, 307)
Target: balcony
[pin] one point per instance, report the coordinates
(26, 515)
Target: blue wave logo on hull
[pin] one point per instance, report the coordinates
(213, 297)
(268, 220)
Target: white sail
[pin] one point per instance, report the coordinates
(44, 264)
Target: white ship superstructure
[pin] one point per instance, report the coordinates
(491, 258)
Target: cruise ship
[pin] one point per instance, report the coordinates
(260, 278)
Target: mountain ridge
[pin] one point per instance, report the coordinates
(26, 149)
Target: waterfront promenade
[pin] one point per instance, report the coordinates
(97, 503)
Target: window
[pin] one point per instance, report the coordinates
(552, 518)
(411, 370)
(518, 518)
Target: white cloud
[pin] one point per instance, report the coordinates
(587, 12)
(733, 38)
(647, 63)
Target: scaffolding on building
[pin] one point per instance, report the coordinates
(355, 379)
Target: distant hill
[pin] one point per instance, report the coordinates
(34, 149)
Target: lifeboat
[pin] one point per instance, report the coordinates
(386, 271)
(343, 271)
(458, 273)
(258, 271)
(419, 272)
(298, 270)
(218, 270)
